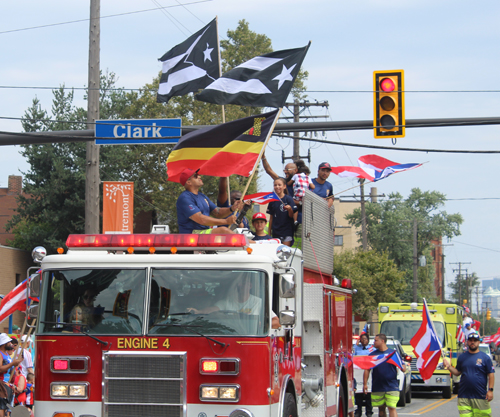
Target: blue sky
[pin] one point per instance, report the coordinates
(442, 46)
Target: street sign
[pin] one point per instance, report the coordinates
(137, 131)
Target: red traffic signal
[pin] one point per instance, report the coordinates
(388, 95)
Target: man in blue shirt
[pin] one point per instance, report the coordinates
(194, 209)
(385, 385)
(476, 381)
(323, 188)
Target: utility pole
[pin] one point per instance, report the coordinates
(363, 215)
(92, 181)
(296, 106)
(459, 279)
(415, 260)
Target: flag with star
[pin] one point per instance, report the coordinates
(223, 150)
(191, 65)
(263, 81)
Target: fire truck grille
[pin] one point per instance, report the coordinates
(149, 384)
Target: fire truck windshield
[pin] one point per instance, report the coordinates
(206, 302)
(101, 301)
(211, 301)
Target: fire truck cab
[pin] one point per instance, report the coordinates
(193, 326)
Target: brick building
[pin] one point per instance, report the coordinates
(14, 262)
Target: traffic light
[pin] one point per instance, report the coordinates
(389, 104)
(488, 314)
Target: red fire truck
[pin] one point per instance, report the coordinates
(187, 326)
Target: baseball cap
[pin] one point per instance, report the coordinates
(23, 339)
(467, 324)
(473, 335)
(186, 174)
(259, 216)
(325, 165)
(4, 338)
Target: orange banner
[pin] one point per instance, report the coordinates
(118, 207)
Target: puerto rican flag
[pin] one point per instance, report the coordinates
(14, 300)
(493, 338)
(426, 346)
(460, 334)
(373, 168)
(262, 198)
(371, 361)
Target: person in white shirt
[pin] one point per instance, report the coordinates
(27, 363)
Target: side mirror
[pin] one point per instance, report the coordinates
(287, 318)
(34, 285)
(287, 285)
(33, 310)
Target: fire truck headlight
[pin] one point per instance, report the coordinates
(209, 393)
(59, 390)
(222, 393)
(78, 390)
(228, 393)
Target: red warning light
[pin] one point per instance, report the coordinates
(387, 85)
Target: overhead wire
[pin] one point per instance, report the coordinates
(102, 17)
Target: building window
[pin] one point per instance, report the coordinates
(18, 279)
(339, 240)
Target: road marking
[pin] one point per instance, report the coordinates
(432, 406)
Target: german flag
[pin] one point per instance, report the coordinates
(222, 150)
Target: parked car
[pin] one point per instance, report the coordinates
(404, 378)
(484, 347)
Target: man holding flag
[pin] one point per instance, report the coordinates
(477, 379)
(385, 385)
(194, 209)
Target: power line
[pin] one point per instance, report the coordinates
(475, 246)
(103, 17)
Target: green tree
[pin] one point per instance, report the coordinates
(390, 229)
(375, 277)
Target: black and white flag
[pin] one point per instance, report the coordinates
(191, 65)
(264, 81)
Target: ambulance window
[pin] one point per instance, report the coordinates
(208, 301)
(97, 301)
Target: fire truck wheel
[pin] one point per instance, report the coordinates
(289, 408)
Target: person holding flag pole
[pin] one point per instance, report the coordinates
(477, 379)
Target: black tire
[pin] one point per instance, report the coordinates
(447, 392)
(402, 397)
(408, 395)
(290, 407)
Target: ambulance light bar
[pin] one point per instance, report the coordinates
(158, 241)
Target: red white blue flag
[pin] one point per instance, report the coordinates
(371, 361)
(373, 168)
(460, 336)
(262, 198)
(426, 346)
(14, 300)
(396, 360)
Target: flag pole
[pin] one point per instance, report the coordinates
(262, 151)
(433, 328)
(223, 107)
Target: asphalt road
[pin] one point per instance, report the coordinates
(433, 404)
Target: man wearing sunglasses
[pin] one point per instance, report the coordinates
(477, 379)
(196, 213)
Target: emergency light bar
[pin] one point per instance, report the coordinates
(157, 241)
